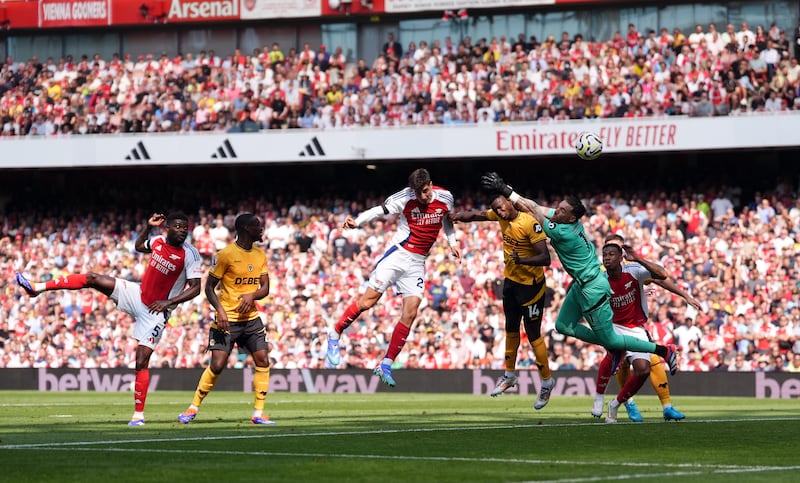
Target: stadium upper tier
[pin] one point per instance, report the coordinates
(488, 81)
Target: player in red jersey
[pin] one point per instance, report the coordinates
(658, 376)
(629, 306)
(424, 209)
(172, 276)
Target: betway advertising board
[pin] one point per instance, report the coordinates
(379, 144)
(759, 385)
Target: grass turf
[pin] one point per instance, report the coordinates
(83, 437)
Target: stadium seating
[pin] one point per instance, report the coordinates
(649, 75)
(738, 264)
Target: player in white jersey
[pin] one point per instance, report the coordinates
(424, 209)
(172, 276)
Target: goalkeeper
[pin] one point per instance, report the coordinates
(588, 296)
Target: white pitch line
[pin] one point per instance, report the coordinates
(701, 468)
(374, 431)
(183, 402)
(712, 470)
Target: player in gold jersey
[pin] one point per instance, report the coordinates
(240, 269)
(524, 253)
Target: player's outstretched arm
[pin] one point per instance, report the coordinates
(450, 233)
(468, 216)
(493, 183)
(366, 216)
(658, 272)
(670, 285)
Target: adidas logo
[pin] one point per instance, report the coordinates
(314, 148)
(138, 152)
(225, 151)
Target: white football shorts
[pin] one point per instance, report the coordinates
(149, 326)
(401, 267)
(637, 332)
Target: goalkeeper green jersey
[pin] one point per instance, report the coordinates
(575, 251)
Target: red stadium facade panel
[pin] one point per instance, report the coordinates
(71, 13)
(47, 14)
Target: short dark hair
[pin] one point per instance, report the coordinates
(577, 206)
(243, 220)
(177, 215)
(418, 179)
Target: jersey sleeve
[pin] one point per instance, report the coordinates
(155, 241)
(638, 272)
(537, 232)
(447, 198)
(193, 264)
(396, 202)
(552, 230)
(264, 269)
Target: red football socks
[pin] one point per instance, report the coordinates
(140, 389)
(350, 314)
(398, 341)
(68, 282)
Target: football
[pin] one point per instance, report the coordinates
(588, 146)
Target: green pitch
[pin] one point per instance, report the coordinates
(83, 437)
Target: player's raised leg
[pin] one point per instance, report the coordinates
(77, 281)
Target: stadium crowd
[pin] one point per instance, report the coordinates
(633, 74)
(737, 257)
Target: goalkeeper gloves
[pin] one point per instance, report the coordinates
(494, 183)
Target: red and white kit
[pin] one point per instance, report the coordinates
(404, 262)
(629, 304)
(164, 277)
